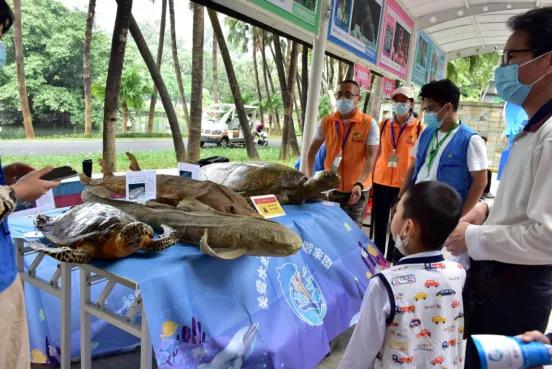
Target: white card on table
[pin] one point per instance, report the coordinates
(141, 186)
(188, 170)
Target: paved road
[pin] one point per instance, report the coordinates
(45, 147)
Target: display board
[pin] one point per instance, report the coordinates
(388, 86)
(355, 26)
(363, 76)
(304, 13)
(429, 62)
(395, 41)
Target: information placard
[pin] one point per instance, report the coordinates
(268, 206)
(141, 186)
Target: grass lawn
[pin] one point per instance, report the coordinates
(147, 159)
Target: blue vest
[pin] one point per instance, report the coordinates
(453, 165)
(8, 269)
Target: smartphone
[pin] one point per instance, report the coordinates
(60, 173)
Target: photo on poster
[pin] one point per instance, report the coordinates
(365, 22)
(137, 191)
(185, 174)
(401, 45)
(388, 40)
(421, 52)
(342, 14)
(309, 4)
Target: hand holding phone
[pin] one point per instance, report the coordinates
(59, 173)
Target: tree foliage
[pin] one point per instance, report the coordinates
(473, 74)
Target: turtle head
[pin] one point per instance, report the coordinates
(322, 181)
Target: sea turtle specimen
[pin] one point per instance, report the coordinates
(173, 189)
(218, 234)
(97, 231)
(253, 179)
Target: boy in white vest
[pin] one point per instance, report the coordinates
(412, 313)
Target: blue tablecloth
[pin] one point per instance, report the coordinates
(253, 312)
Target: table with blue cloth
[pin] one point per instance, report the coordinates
(251, 312)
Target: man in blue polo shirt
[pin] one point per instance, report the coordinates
(14, 336)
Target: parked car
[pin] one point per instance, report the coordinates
(220, 124)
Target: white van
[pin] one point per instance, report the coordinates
(220, 124)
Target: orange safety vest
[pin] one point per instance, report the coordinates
(354, 150)
(384, 174)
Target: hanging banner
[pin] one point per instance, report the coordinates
(438, 64)
(304, 13)
(363, 76)
(388, 87)
(355, 25)
(422, 60)
(395, 40)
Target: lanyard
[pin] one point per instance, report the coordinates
(401, 130)
(344, 142)
(437, 145)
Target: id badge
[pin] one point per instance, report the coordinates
(393, 161)
(336, 162)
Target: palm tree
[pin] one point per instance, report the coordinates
(215, 91)
(113, 82)
(177, 66)
(87, 80)
(20, 65)
(234, 86)
(304, 83)
(160, 45)
(256, 45)
(289, 145)
(196, 101)
(179, 148)
(268, 78)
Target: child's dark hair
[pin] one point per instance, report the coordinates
(6, 16)
(436, 208)
(443, 91)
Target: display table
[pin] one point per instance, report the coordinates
(204, 312)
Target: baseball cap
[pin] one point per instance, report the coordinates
(403, 90)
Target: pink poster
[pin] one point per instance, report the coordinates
(388, 86)
(363, 76)
(395, 43)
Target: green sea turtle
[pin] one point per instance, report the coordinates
(253, 179)
(99, 231)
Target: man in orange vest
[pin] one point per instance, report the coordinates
(352, 140)
(397, 135)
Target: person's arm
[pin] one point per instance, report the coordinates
(7, 204)
(369, 162)
(479, 182)
(369, 334)
(371, 151)
(311, 155)
(527, 243)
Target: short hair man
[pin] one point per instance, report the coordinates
(351, 139)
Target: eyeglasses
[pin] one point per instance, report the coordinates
(506, 54)
(347, 95)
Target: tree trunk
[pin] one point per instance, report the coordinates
(179, 148)
(160, 45)
(265, 78)
(125, 117)
(341, 72)
(305, 84)
(268, 77)
(20, 65)
(350, 71)
(256, 67)
(289, 139)
(177, 66)
(113, 82)
(87, 80)
(216, 98)
(196, 101)
(234, 86)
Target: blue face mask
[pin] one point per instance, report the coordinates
(345, 106)
(432, 121)
(2, 55)
(508, 85)
(401, 108)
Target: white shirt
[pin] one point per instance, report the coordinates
(519, 227)
(369, 334)
(372, 139)
(477, 156)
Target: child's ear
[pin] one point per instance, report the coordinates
(410, 228)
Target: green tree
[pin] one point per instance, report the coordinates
(473, 74)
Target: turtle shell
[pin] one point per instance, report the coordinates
(251, 179)
(88, 221)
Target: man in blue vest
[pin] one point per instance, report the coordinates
(14, 337)
(448, 150)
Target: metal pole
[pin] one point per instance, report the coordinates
(145, 342)
(412, 53)
(315, 80)
(65, 316)
(85, 345)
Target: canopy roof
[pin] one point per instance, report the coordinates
(467, 27)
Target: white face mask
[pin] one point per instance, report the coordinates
(400, 244)
(345, 106)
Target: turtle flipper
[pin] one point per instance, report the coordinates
(106, 170)
(221, 253)
(42, 220)
(165, 240)
(134, 166)
(65, 254)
